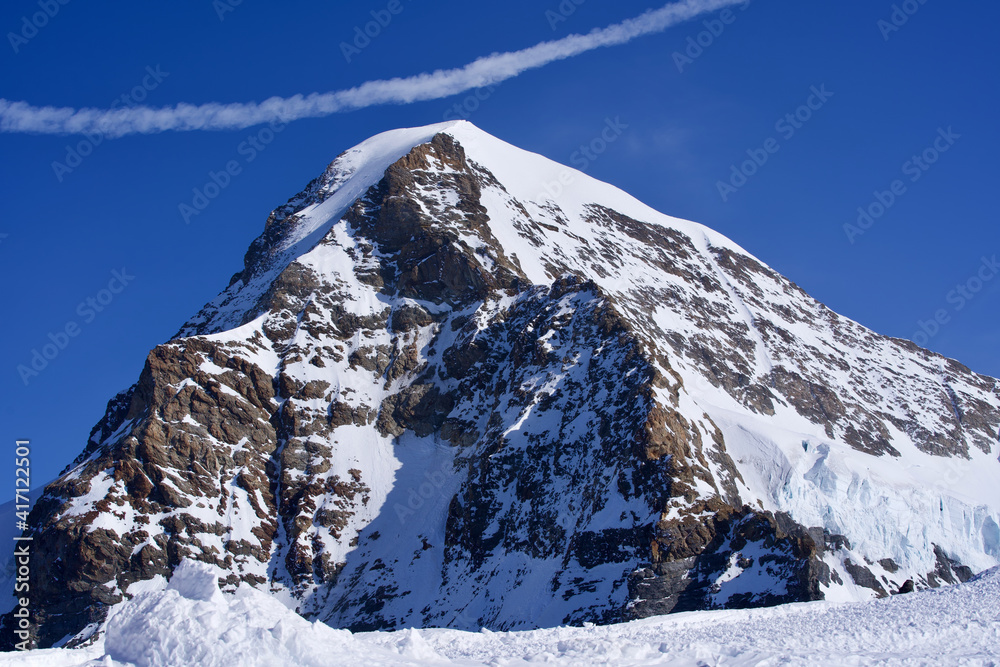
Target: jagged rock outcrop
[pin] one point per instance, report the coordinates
(436, 395)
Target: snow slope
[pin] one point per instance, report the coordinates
(191, 623)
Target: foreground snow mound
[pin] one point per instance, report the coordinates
(191, 623)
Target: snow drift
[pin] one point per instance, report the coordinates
(192, 623)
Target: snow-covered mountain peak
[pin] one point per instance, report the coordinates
(546, 189)
(459, 384)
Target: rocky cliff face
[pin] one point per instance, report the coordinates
(435, 396)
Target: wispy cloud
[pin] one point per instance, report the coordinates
(23, 117)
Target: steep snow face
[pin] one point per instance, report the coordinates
(191, 622)
(863, 435)
(459, 384)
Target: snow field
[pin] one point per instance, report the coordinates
(189, 622)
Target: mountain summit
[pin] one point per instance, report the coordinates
(458, 384)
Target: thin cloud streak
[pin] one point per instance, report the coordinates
(21, 117)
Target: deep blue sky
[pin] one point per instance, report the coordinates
(119, 207)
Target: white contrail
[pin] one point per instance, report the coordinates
(23, 117)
